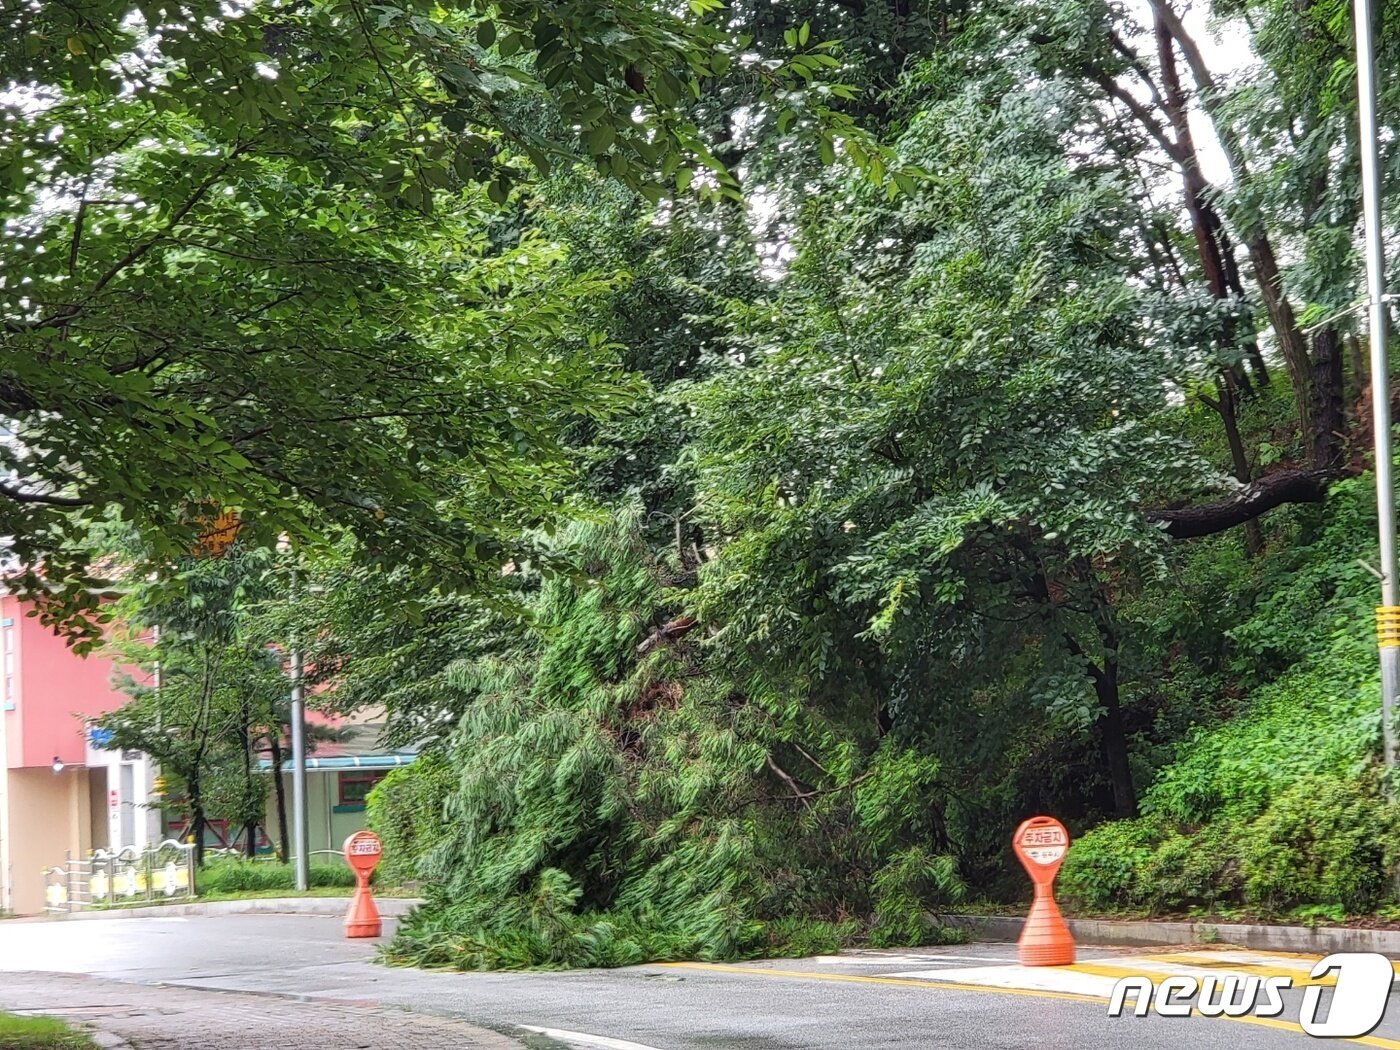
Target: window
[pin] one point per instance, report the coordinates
(354, 786)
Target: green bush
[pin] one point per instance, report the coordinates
(1324, 841)
(1103, 869)
(407, 810)
(230, 875)
(1322, 844)
(1193, 870)
(1320, 718)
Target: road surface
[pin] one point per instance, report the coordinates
(970, 997)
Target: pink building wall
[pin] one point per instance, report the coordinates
(52, 690)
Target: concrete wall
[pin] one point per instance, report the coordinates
(50, 816)
(56, 691)
(326, 829)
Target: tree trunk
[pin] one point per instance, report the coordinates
(1329, 423)
(1114, 738)
(1169, 27)
(281, 792)
(1226, 407)
(1204, 222)
(197, 820)
(1259, 497)
(1212, 245)
(1111, 728)
(250, 823)
(1360, 371)
(1285, 325)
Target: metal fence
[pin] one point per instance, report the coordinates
(127, 875)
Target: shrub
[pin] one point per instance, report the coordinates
(1104, 868)
(1324, 841)
(407, 811)
(1188, 870)
(1322, 844)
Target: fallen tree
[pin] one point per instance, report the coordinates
(1247, 503)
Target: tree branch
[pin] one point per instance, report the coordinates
(787, 779)
(137, 251)
(1149, 122)
(1259, 497)
(22, 496)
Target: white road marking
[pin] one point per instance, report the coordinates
(1097, 976)
(584, 1039)
(886, 960)
(1037, 978)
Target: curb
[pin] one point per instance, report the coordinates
(105, 1040)
(1310, 940)
(389, 908)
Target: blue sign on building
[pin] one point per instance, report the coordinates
(99, 737)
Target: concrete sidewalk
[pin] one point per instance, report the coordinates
(147, 1017)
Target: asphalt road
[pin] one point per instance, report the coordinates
(970, 997)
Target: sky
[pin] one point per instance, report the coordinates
(1227, 52)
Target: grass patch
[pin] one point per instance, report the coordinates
(237, 876)
(40, 1033)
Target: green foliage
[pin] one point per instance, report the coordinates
(901, 888)
(617, 802)
(206, 689)
(750, 516)
(1323, 841)
(1324, 844)
(407, 810)
(1278, 808)
(1104, 869)
(905, 489)
(1319, 716)
(247, 263)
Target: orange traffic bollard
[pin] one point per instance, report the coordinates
(1041, 843)
(362, 852)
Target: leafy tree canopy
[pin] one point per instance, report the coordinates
(249, 261)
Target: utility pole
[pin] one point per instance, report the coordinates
(1387, 614)
(300, 841)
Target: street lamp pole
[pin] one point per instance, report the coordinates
(300, 842)
(1387, 614)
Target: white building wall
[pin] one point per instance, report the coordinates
(133, 817)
